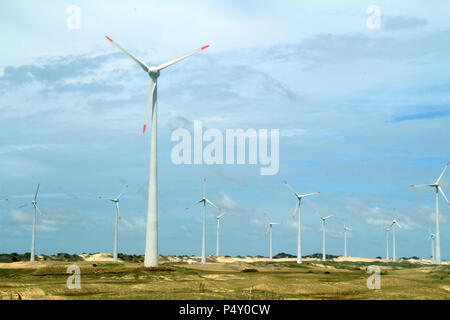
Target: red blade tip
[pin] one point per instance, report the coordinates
(203, 48)
(318, 191)
(109, 38)
(221, 208)
(411, 185)
(187, 208)
(145, 127)
(285, 182)
(448, 163)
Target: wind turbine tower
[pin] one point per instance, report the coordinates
(116, 225)
(297, 208)
(438, 189)
(204, 200)
(324, 219)
(393, 225)
(33, 234)
(218, 234)
(269, 230)
(151, 241)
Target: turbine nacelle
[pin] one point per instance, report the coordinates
(153, 72)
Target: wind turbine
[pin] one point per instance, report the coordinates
(438, 189)
(393, 225)
(269, 229)
(116, 226)
(324, 219)
(33, 235)
(204, 200)
(151, 242)
(345, 238)
(387, 229)
(432, 237)
(218, 232)
(297, 208)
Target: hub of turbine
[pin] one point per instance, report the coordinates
(153, 72)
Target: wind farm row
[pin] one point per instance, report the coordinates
(434, 237)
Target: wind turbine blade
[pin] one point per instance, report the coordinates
(171, 62)
(212, 204)
(421, 185)
(396, 222)
(109, 199)
(199, 201)
(150, 101)
(443, 194)
(221, 215)
(290, 188)
(139, 62)
(327, 217)
(24, 205)
(204, 187)
(120, 194)
(39, 210)
(1, 200)
(296, 209)
(267, 230)
(442, 174)
(267, 217)
(308, 194)
(349, 229)
(37, 190)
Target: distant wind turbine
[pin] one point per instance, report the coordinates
(297, 208)
(204, 200)
(116, 225)
(33, 235)
(393, 225)
(432, 238)
(387, 229)
(269, 229)
(2, 200)
(151, 243)
(438, 189)
(324, 219)
(218, 233)
(345, 238)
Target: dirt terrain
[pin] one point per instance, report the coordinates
(224, 278)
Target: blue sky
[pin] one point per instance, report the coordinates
(362, 115)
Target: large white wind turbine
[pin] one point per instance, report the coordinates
(116, 225)
(387, 229)
(204, 200)
(393, 225)
(151, 243)
(345, 238)
(33, 235)
(438, 189)
(218, 233)
(432, 238)
(324, 219)
(297, 208)
(269, 229)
